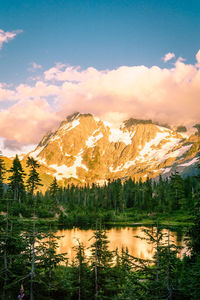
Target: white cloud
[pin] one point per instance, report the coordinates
(34, 67)
(168, 56)
(6, 36)
(70, 73)
(9, 149)
(198, 59)
(6, 94)
(162, 94)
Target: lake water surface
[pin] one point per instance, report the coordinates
(117, 237)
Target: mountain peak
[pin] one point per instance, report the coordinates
(130, 122)
(90, 150)
(77, 115)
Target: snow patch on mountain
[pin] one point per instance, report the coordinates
(117, 135)
(42, 161)
(36, 153)
(154, 152)
(179, 152)
(107, 124)
(96, 119)
(191, 162)
(154, 142)
(54, 138)
(163, 129)
(66, 154)
(64, 171)
(167, 170)
(93, 139)
(70, 126)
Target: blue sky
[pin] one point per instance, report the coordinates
(115, 59)
(102, 34)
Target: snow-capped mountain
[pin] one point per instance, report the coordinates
(86, 149)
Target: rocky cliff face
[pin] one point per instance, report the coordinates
(86, 149)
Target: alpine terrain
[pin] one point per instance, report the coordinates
(85, 149)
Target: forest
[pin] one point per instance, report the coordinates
(30, 267)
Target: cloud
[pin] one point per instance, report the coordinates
(12, 144)
(70, 73)
(10, 148)
(170, 95)
(198, 59)
(161, 94)
(40, 89)
(6, 94)
(6, 36)
(27, 121)
(34, 67)
(168, 56)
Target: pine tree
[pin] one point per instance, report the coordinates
(101, 263)
(161, 275)
(176, 192)
(2, 172)
(53, 190)
(16, 180)
(160, 193)
(82, 271)
(194, 232)
(190, 277)
(33, 180)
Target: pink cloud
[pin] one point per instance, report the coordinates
(40, 89)
(6, 36)
(170, 95)
(6, 94)
(198, 59)
(70, 73)
(168, 56)
(167, 95)
(34, 67)
(27, 121)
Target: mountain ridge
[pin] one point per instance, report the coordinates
(87, 149)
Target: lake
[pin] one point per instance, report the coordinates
(117, 237)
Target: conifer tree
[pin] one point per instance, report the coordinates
(16, 180)
(176, 192)
(101, 262)
(194, 232)
(82, 273)
(33, 179)
(53, 190)
(2, 172)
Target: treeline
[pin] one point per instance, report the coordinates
(82, 205)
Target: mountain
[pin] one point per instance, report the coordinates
(85, 149)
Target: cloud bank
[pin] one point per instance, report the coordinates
(162, 94)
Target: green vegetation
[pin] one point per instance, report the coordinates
(30, 265)
(118, 202)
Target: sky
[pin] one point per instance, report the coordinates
(115, 59)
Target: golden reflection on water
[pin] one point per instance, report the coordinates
(117, 237)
